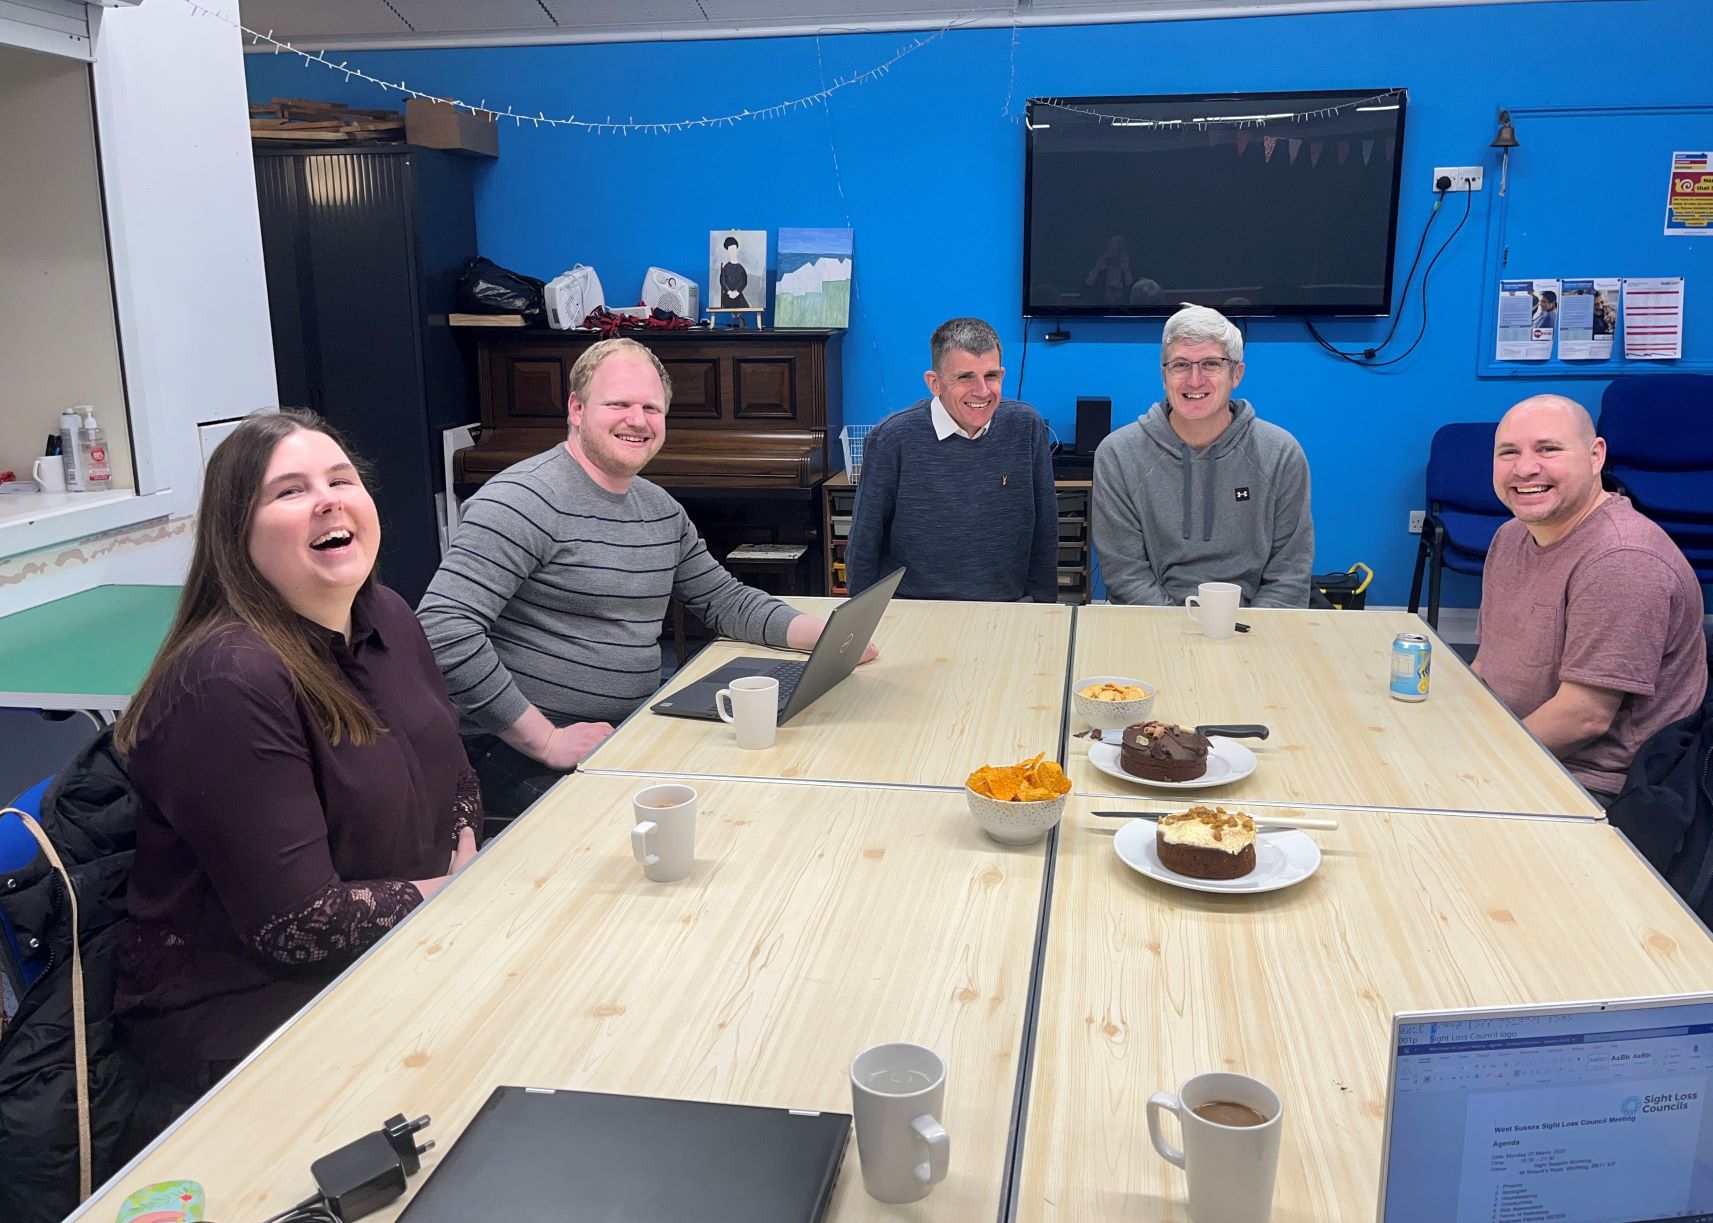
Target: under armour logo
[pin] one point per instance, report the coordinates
(1243, 494)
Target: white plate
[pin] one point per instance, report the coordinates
(1282, 857)
(1227, 761)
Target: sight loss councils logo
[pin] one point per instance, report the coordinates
(1631, 1106)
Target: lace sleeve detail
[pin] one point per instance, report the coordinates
(340, 920)
(467, 807)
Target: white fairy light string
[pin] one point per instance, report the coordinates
(541, 118)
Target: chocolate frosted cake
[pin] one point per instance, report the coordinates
(1160, 751)
(1206, 843)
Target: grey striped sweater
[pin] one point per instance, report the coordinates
(554, 590)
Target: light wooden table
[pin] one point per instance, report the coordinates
(818, 921)
(1318, 680)
(956, 686)
(1146, 984)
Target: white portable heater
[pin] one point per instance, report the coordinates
(664, 290)
(572, 296)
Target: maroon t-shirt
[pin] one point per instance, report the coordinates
(1611, 605)
(250, 813)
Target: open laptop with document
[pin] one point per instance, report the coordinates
(534, 1155)
(849, 630)
(1580, 1112)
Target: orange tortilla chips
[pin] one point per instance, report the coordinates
(1031, 781)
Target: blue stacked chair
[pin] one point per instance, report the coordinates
(1463, 511)
(1659, 453)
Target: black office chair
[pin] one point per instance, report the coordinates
(1464, 513)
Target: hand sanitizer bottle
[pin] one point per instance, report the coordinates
(97, 471)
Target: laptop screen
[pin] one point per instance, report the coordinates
(1566, 1114)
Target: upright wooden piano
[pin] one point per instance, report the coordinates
(752, 433)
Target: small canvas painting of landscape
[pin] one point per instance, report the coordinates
(814, 286)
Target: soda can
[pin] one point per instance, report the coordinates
(1412, 659)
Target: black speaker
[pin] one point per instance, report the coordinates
(1094, 422)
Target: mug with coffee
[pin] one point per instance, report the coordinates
(752, 705)
(664, 838)
(1214, 607)
(898, 1094)
(1230, 1156)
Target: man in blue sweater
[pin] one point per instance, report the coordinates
(958, 488)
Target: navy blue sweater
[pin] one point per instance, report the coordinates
(968, 519)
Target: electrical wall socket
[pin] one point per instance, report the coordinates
(1417, 519)
(1458, 175)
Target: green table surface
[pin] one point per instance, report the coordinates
(98, 642)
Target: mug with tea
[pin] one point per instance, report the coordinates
(751, 704)
(1214, 607)
(1230, 1156)
(898, 1094)
(664, 837)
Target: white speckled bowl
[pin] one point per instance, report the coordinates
(1112, 715)
(1015, 823)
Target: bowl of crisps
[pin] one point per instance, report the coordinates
(1017, 804)
(1112, 702)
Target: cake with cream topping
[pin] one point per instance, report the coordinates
(1206, 843)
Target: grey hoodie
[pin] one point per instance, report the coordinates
(1167, 517)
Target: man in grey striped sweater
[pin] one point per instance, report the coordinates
(545, 615)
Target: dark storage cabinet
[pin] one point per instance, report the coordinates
(363, 248)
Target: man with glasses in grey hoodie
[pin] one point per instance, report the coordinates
(1200, 489)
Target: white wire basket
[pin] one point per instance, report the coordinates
(852, 436)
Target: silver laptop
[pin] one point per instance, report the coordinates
(1585, 1112)
(848, 632)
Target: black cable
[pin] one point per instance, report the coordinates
(1367, 355)
(1422, 330)
(312, 1209)
(1023, 365)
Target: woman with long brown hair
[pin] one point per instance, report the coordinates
(302, 780)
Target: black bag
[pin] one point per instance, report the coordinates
(1346, 591)
(484, 287)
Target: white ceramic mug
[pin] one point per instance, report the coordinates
(49, 473)
(664, 839)
(1230, 1168)
(898, 1092)
(752, 705)
(1214, 607)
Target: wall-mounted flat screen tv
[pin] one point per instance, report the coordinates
(1253, 203)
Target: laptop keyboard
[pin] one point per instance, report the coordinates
(789, 675)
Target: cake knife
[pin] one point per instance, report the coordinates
(1234, 730)
(1261, 821)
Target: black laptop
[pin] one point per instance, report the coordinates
(848, 632)
(532, 1155)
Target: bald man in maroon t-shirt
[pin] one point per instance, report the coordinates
(1590, 616)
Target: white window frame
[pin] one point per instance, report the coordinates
(49, 26)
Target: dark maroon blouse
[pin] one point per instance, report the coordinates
(267, 857)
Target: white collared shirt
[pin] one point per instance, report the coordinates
(945, 426)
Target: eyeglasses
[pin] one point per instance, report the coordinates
(1211, 367)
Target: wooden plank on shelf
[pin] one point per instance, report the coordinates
(486, 320)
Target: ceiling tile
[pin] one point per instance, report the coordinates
(624, 14)
(309, 19)
(466, 16)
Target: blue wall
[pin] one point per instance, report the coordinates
(926, 165)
